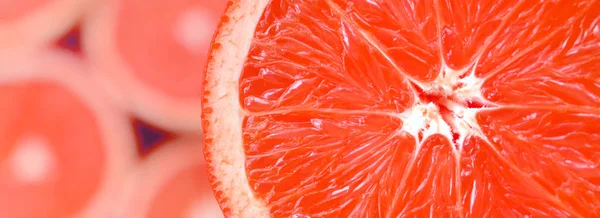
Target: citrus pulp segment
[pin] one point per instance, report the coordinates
(405, 108)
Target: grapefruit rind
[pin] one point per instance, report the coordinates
(222, 114)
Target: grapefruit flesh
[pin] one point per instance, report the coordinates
(52, 156)
(433, 108)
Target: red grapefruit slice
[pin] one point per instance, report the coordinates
(153, 53)
(186, 195)
(35, 23)
(57, 138)
(433, 108)
(171, 182)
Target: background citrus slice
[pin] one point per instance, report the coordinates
(66, 148)
(45, 165)
(153, 55)
(55, 158)
(186, 195)
(344, 108)
(171, 181)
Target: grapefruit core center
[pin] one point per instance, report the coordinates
(446, 106)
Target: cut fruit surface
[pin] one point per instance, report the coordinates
(152, 54)
(432, 108)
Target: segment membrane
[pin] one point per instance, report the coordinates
(334, 129)
(305, 57)
(326, 164)
(557, 149)
(491, 187)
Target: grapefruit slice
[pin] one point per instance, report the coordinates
(171, 182)
(432, 108)
(33, 24)
(58, 137)
(186, 195)
(152, 53)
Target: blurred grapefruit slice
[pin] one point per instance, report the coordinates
(171, 182)
(154, 52)
(33, 24)
(433, 108)
(186, 195)
(57, 140)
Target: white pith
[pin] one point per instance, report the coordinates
(450, 84)
(225, 150)
(424, 118)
